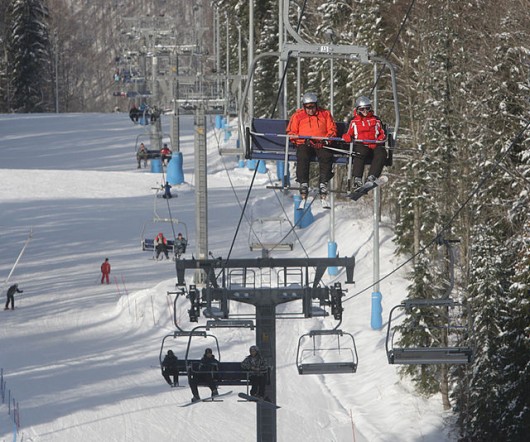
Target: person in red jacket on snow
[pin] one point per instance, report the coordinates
(105, 271)
(366, 126)
(312, 121)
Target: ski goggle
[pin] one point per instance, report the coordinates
(364, 108)
(310, 106)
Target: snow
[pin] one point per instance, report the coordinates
(81, 358)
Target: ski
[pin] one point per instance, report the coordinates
(208, 399)
(261, 402)
(367, 187)
(325, 203)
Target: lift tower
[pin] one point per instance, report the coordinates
(251, 281)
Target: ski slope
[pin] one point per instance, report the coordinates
(81, 358)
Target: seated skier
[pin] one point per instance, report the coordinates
(205, 373)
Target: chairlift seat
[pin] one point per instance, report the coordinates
(327, 368)
(421, 355)
(228, 373)
(148, 244)
(271, 147)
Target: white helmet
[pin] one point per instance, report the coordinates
(362, 101)
(309, 97)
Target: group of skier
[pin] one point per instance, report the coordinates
(311, 128)
(207, 372)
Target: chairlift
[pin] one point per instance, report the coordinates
(273, 233)
(319, 353)
(445, 315)
(169, 227)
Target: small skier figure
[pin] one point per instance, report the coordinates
(366, 126)
(167, 190)
(170, 368)
(161, 245)
(141, 154)
(180, 245)
(165, 154)
(11, 296)
(257, 366)
(105, 271)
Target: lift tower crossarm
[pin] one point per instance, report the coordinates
(209, 265)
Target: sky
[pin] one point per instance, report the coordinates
(82, 358)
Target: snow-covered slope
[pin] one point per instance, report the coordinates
(81, 358)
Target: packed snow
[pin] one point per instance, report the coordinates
(82, 358)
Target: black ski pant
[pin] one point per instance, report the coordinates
(257, 383)
(167, 373)
(363, 154)
(10, 299)
(304, 154)
(202, 378)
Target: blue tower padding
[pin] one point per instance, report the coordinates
(262, 166)
(302, 218)
(156, 165)
(228, 133)
(281, 174)
(241, 162)
(377, 311)
(332, 253)
(251, 164)
(174, 172)
(218, 121)
(143, 121)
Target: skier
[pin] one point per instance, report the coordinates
(141, 154)
(312, 121)
(255, 363)
(180, 245)
(11, 296)
(366, 126)
(165, 154)
(167, 190)
(161, 245)
(105, 271)
(206, 374)
(170, 368)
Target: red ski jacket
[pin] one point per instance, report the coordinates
(319, 125)
(105, 268)
(365, 128)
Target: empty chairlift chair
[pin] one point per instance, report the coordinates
(326, 352)
(442, 324)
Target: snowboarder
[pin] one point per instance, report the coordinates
(161, 245)
(257, 366)
(206, 374)
(170, 368)
(105, 271)
(11, 296)
(312, 121)
(180, 245)
(366, 126)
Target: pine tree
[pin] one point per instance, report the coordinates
(29, 49)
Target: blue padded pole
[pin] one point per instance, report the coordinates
(332, 253)
(302, 218)
(377, 311)
(262, 166)
(174, 173)
(156, 165)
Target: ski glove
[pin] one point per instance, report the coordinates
(347, 137)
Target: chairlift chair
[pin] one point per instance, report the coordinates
(272, 233)
(170, 227)
(315, 358)
(445, 315)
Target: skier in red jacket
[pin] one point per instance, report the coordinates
(105, 271)
(312, 121)
(366, 126)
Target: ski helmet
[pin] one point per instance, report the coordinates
(362, 101)
(309, 97)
